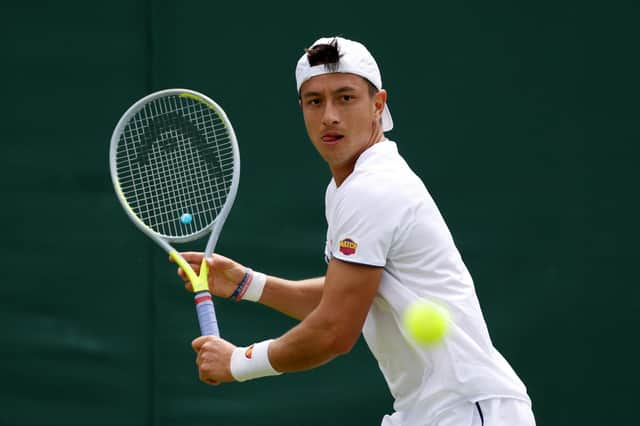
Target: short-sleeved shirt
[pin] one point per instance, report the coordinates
(382, 215)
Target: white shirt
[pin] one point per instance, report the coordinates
(382, 215)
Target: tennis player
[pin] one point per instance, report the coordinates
(387, 246)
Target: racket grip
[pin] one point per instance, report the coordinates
(206, 314)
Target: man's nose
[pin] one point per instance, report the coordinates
(330, 115)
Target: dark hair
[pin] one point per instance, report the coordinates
(324, 54)
(329, 56)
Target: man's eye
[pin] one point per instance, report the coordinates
(313, 102)
(347, 98)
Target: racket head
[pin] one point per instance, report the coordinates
(175, 164)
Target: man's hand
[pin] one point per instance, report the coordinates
(214, 359)
(224, 273)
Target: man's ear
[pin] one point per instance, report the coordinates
(380, 99)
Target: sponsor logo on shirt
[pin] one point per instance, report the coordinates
(348, 246)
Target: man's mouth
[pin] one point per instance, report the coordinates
(332, 138)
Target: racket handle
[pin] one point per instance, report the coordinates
(206, 314)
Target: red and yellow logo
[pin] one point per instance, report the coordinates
(348, 246)
(249, 352)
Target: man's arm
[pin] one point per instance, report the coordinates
(334, 326)
(331, 329)
(293, 298)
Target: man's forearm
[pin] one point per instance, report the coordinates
(333, 309)
(293, 298)
(310, 344)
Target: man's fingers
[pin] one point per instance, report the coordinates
(187, 283)
(205, 379)
(197, 345)
(192, 257)
(183, 274)
(198, 342)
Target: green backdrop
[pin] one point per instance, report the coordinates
(521, 119)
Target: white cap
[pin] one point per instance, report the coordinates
(354, 59)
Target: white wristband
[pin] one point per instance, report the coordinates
(255, 287)
(252, 362)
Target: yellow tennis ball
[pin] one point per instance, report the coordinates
(426, 322)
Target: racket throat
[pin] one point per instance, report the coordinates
(198, 282)
(201, 282)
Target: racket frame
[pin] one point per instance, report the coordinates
(198, 281)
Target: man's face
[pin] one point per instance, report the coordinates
(341, 116)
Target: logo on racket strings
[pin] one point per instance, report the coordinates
(167, 130)
(348, 246)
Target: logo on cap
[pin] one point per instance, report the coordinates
(348, 246)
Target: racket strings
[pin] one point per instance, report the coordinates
(175, 157)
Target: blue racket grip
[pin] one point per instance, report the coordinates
(206, 314)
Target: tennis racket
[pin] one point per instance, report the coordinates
(175, 167)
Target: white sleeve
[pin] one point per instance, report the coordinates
(364, 223)
(327, 251)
